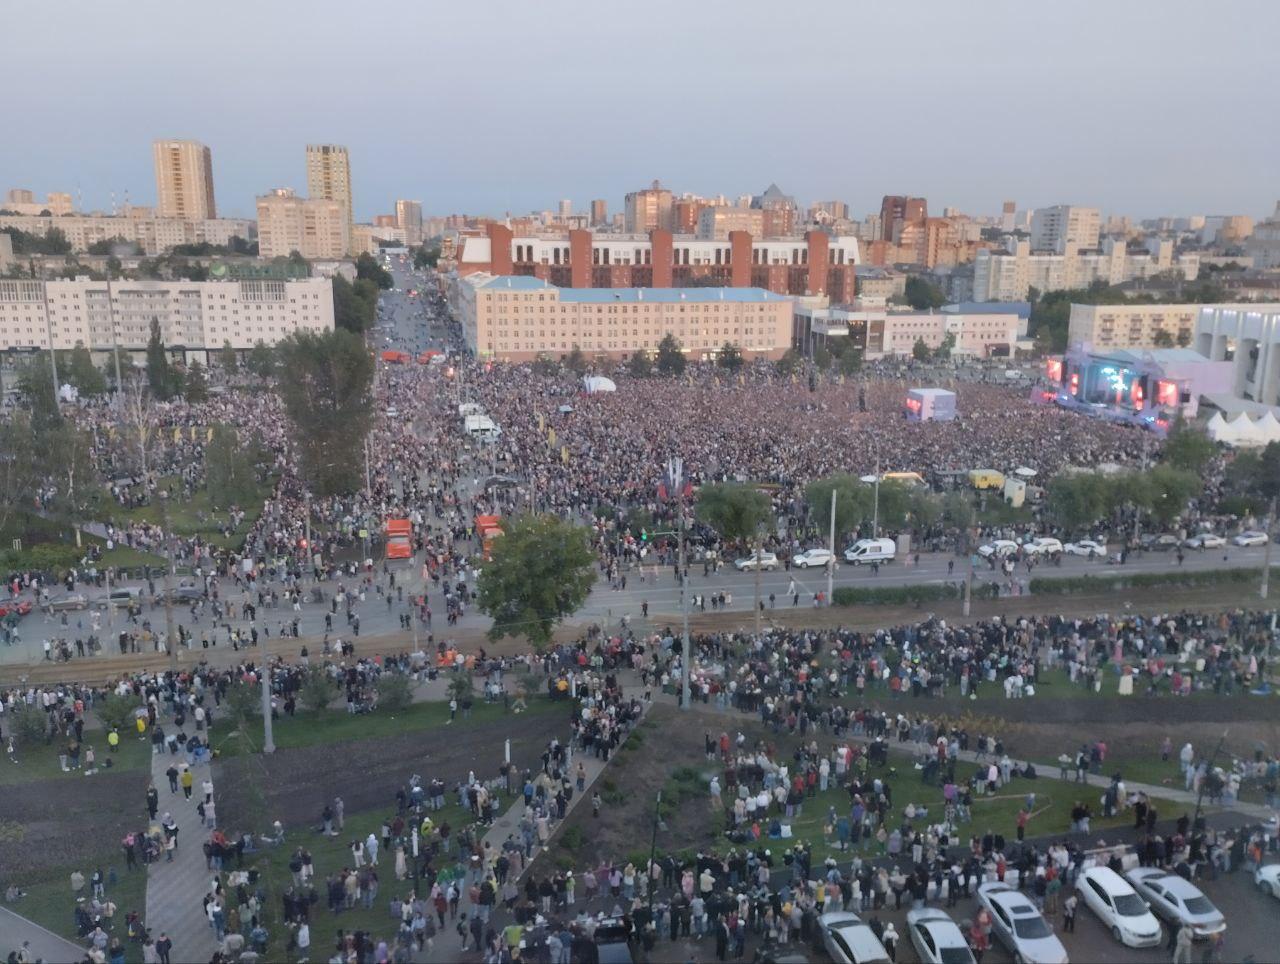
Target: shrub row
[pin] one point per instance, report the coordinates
(1118, 579)
(907, 595)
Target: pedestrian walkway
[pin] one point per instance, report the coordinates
(43, 944)
(175, 889)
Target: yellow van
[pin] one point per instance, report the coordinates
(986, 479)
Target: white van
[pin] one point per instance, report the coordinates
(871, 550)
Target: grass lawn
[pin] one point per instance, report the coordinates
(49, 902)
(191, 516)
(125, 557)
(336, 725)
(40, 762)
(333, 854)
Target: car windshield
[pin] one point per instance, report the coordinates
(956, 955)
(1031, 928)
(1130, 905)
(1200, 905)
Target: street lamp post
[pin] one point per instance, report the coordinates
(653, 850)
(1266, 552)
(831, 563)
(170, 643)
(675, 477)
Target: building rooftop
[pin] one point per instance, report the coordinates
(1159, 355)
(1020, 308)
(627, 295)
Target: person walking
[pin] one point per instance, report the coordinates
(890, 941)
(187, 779)
(1069, 914)
(1182, 949)
(164, 946)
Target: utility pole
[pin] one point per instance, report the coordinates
(675, 477)
(1266, 551)
(268, 740)
(756, 572)
(968, 583)
(831, 565)
(170, 643)
(115, 343)
(653, 850)
(875, 509)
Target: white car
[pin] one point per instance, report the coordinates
(1205, 540)
(1044, 546)
(1019, 926)
(1250, 537)
(850, 941)
(936, 938)
(767, 561)
(1085, 547)
(1267, 877)
(1177, 901)
(998, 548)
(1119, 907)
(812, 557)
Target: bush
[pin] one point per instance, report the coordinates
(318, 689)
(116, 712)
(1118, 580)
(43, 557)
(572, 839)
(395, 692)
(29, 725)
(242, 701)
(906, 595)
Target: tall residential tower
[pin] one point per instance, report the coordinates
(329, 177)
(184, 180)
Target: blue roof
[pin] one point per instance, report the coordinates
(628, 295)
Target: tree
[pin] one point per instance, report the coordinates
(368, 269)
(66, 461)
(229, 472)
(737, 512)
(1163, 338)
(1188, 447)
(851, 361)
(114, 246)
(196, 386)
(923, 295)
(318, 689)
(161, 377)
(541, 571)
(670, 359)
(1255, 475)
(640, 365)
(116, 712)
(325, 384)
(1184, 337)
(1170, 491)
(17, 464)
(29, 725)
(1078, 501)
(822, 358)
(227, 359)
(395, 691)
(730, 357)
(544, 364)
(79, 371)
(242, 702)
(460, 686)
(853, 503)
(920, 351)
(35, 381)
(947, 345)
(426, 257)
(789, 363)
(352, 310)
(575, 361)
(261, 360)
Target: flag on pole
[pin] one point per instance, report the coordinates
(564, 454)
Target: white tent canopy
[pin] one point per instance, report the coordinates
(598, 383)
(1215, 426)
(1269, 427)
(1242, 432)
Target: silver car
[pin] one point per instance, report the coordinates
(1177, 901)
(936, 937)
(1019, 926)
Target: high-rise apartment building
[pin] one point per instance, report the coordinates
(648, 210)
(566, 207)
(184, 180)
(599, 213)
(1008, 216)
(329, 178)
(1065, 229)
(409, 220)
(314, 227)
(897, 212)
(19, 195)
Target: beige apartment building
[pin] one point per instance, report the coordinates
(1132, 326)
(715, 222)
(184, 180)
(518, 318)
(652, 209)
(314, 227)
(329, 178)
(409, 220)
(199, 316)
(21, 201)
(153, 235)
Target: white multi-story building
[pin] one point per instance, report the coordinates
(1132, 326)
(198, 316)
(154, 235)
(1249, 336)
(1065, 229)
(1010, 275)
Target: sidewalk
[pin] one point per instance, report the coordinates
(175, 889)
(44, 944)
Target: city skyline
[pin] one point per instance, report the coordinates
(1124, 119)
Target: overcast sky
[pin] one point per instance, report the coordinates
(1145, 108)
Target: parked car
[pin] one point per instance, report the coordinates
(850, 941)
(1043, 546)
(766, 561)
(121, 597)
(64, 603)
(21, 607)
(936, 937)
(1267, 877)
(611, 942)
(181, 595)
(1159, 543)
(812, 557)
(1177, 901)
(1085, 547)
(1250, 537)
(998, 548)
(871, 550)
(1119, 907)
(1019, 926)
(1205, 540)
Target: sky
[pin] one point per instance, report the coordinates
(1140, 108)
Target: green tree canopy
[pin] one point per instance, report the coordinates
(670, 359)
(77, 368)
(640, 364)
(1171, 490)
(853, 503)
(17, 465)
(163, 380)
(325, 382)
(353, 309)
(426, 257)
(368, 269)
(229, 469)
(730, 357)
(923, 295)
(822, 357)
(1188, 447)
(541, 570)
(35, 381)
(228, 361)
(789, 363)
(851, 361)
(920, 351)
(196, 386)
(575, 361)
(261, 360)
(734, 510)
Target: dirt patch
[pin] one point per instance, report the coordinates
(296, 783)
(52, 823)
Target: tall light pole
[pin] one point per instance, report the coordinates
(875, 505)
(1266, 551)
(170, 643)
(831, 563)
(675, 477)
(268, 740)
